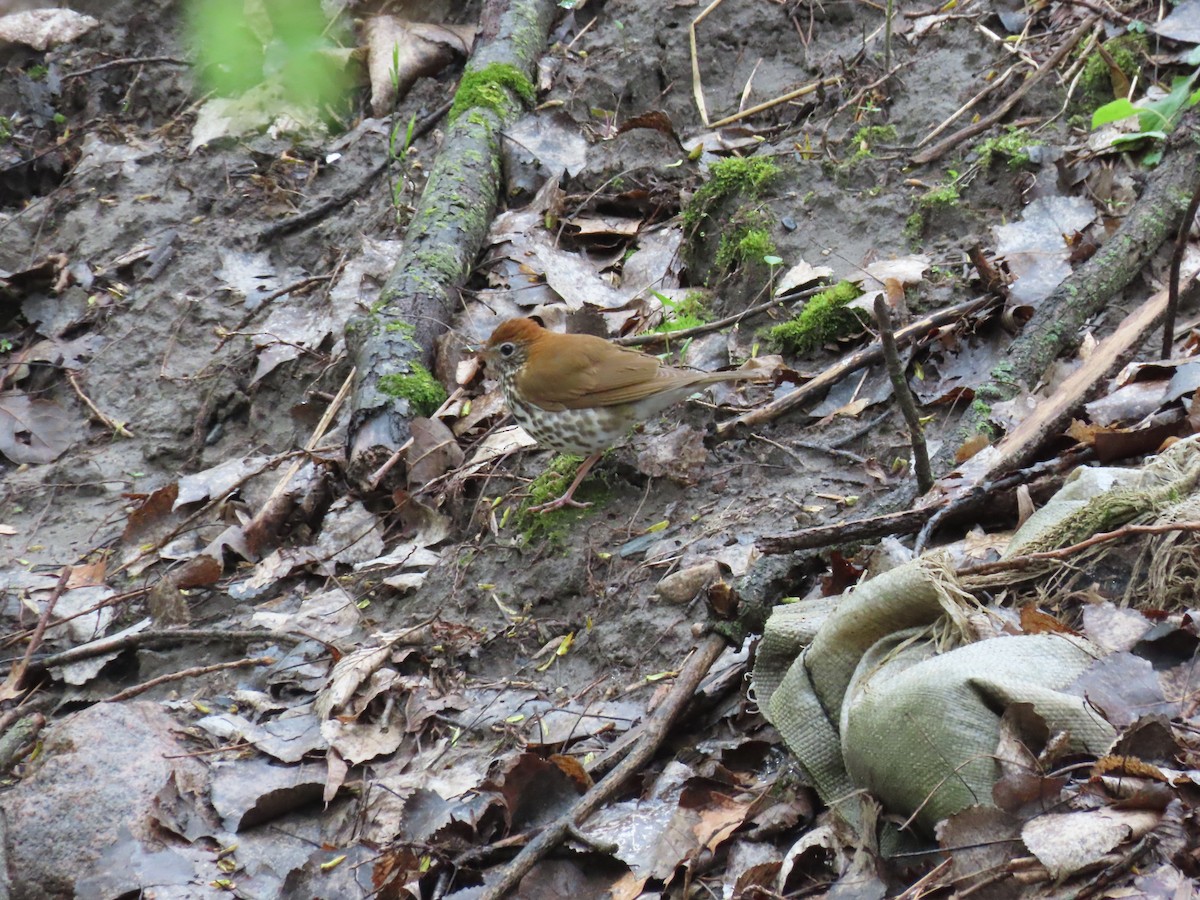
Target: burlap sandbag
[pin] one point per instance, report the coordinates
(882, 690)
(866, 701)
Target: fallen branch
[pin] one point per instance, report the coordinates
(907, 521)
(922, 520)
(333, 204)
(193, 672)
(444, 237)
(1051, 416)
(812, 390)
(169, 638)
(904, 397)
(986, 492)
(1181, 242)
(1058, 322)
(654, 732)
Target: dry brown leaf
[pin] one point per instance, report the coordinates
(399, 52)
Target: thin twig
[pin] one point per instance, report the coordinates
(654, 733)
(1108, 11)
(1020, 562)
(863, 430)
(321, 210)
(128, 61)
(193, 672)
(697, 85)
(908, 406)
(946, 145)
(855, 458)
(855, 99)
(810, 88)
(12, 685)
(887, 35)
(640, 340)
(374, 480)
(987, 91)
(318, 433)
(163, 638)
(931, 879)
(108, 422)
(267, 301)
(1185, 229)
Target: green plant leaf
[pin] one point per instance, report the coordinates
(1113, 112)
(1163, 112)
(1134, 138)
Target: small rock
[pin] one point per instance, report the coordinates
(683, 586)
(100, 771)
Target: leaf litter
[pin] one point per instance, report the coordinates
(459, 731)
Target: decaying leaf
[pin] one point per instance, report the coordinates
(1036, 248)
(678, 455)
(35, 430)
(1065, 843)
(399, 52)
(434, 451)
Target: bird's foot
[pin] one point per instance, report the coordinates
(565, 500)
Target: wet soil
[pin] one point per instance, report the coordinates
(167, 273)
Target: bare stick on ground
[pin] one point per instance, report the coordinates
(193, 672)
(1181, 240)
(654, 733)
(949, 143)
(904, 397)
(816, 388)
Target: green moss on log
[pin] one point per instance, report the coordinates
(424, 392)
(492, 87)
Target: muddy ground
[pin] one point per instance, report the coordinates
(143, 263)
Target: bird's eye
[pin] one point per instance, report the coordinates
(507, 349)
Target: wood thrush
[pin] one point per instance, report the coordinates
(576, 393)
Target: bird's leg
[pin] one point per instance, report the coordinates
(567, 499)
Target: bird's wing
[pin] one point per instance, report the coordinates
(587, 371)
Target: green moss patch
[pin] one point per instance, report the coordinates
(1096, 79)
(744, 245)
(1013, 145)
(727, 228)
(867, 139)
(729, 178)
(553, 527)
(419, 388)
(824, 318)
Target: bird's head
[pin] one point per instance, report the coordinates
(510, 345)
